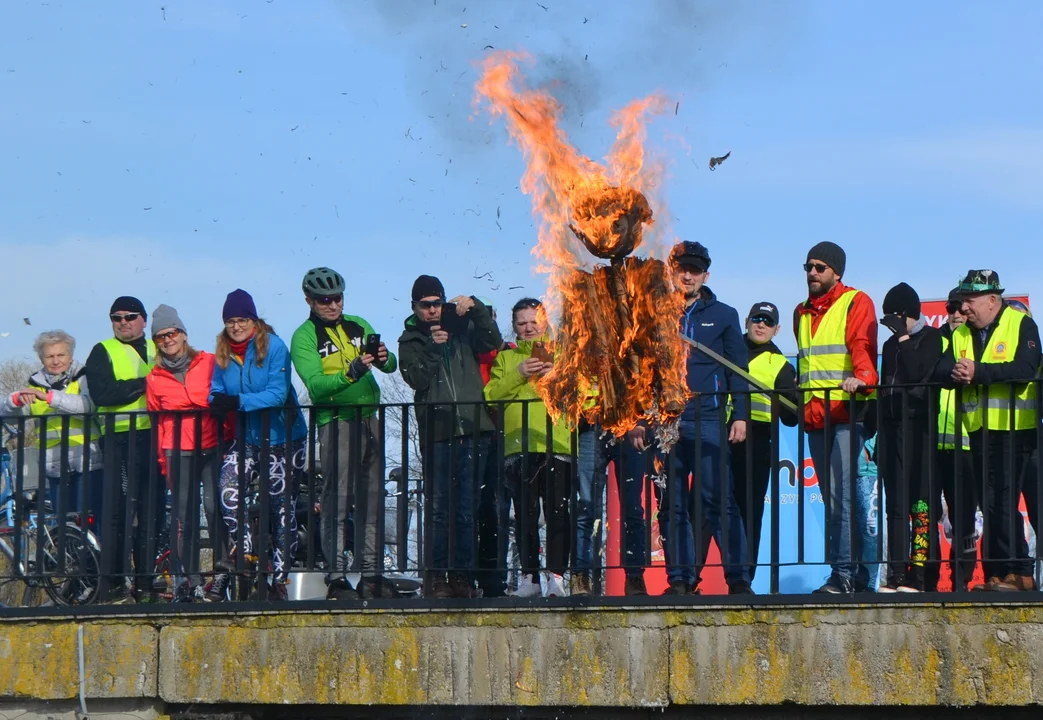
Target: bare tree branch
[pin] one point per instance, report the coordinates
(395, 392)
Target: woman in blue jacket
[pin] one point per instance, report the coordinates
(252, 374)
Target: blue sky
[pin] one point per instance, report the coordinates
(178, 150)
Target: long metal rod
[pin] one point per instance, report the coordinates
(713, 355)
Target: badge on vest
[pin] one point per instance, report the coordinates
(1000, 351)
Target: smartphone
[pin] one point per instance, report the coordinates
(372, 344)
(541, 352)
(451, 322)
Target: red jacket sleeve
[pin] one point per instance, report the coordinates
(861, 338)
(152, 404)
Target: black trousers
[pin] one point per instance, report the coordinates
(904, 454)
(1001, 460)
(961, 499)
(751, 470)
(551, 485)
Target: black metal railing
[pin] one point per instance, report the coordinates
(250, 518)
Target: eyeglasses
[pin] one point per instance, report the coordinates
(953, 308)
(126, 317)
(238, 322)
(429, 304)
(163, 337)
(329, 300)
(763, 320)
(818, 267)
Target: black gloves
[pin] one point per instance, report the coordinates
(222, 403)
(357, 369)
(895, 323)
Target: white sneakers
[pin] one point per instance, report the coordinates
(526, 587)
(553, 585)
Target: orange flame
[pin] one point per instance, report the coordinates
(618, 356)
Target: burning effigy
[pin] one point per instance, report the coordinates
(615, 325)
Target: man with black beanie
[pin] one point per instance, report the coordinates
(116, 371)
(903, 447)
(438, 354)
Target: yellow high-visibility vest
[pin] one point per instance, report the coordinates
(947, 416)
(1001, 348)
(53, 432)
(128, 365)
(766, 368)
(823, 360)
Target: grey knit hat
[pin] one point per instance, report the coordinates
(165, 317)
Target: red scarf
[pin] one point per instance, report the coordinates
(239, 349)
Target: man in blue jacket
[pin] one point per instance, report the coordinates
(715, 325)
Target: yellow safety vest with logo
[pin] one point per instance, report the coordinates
(823, 360)
(128, 365)
(53, 432)
(947, 416)
(765, 368)
(1001, 348)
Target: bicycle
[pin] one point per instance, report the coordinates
(68, 581)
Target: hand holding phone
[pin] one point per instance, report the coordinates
(372, 345)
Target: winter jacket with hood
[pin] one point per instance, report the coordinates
(441, 375)
(62, 403)
(715, 325)
(507, 384)
(164, 391)
(258, 388)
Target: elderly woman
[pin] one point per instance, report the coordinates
(252, 374)
(60, 388)
(514, 376)
(179, 386)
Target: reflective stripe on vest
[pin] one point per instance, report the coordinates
(823, 360)
(128, 365)
(1001, 348)
(54, 425)
(947, 415)
(765, 368)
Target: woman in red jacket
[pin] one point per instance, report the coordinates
(180, 381)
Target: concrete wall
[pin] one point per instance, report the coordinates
(842, 655)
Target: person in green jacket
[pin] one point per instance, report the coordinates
(440, 361)
(329, 352)
(532, 476)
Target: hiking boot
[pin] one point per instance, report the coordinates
(340, 589)
(377, 588)
(278, 592)
(836, 586)
(1015, 583)
(440, 588)
(579, 584)
(988, 586)
(635, 586)
(461, 586)
(740, 588)
(678, 587)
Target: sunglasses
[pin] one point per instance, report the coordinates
(126, 317)
(952, 308)
(329, 300)
(818, 267)
(763, 320)
(429, 304)
(163, 337)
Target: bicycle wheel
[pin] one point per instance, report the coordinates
(78, 583)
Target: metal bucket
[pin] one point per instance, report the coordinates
(306, 586)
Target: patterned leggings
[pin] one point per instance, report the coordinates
(284, 475)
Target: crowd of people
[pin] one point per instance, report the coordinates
(960, 400)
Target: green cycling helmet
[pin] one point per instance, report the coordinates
(322, 281)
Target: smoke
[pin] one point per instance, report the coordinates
(591, 55)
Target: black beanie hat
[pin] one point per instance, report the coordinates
(127, 303)
(902, 300)
(426, 286)
(831, 254)
(955, 296)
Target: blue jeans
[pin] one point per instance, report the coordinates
(869, 507)
(720, 513)
(455, 464)
(836, 489)
(588, 502)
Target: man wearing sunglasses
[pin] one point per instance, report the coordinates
(751, 459)
(439, 357)
(116, 372)
(996, 353)
(334, 355)
(836, 358)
